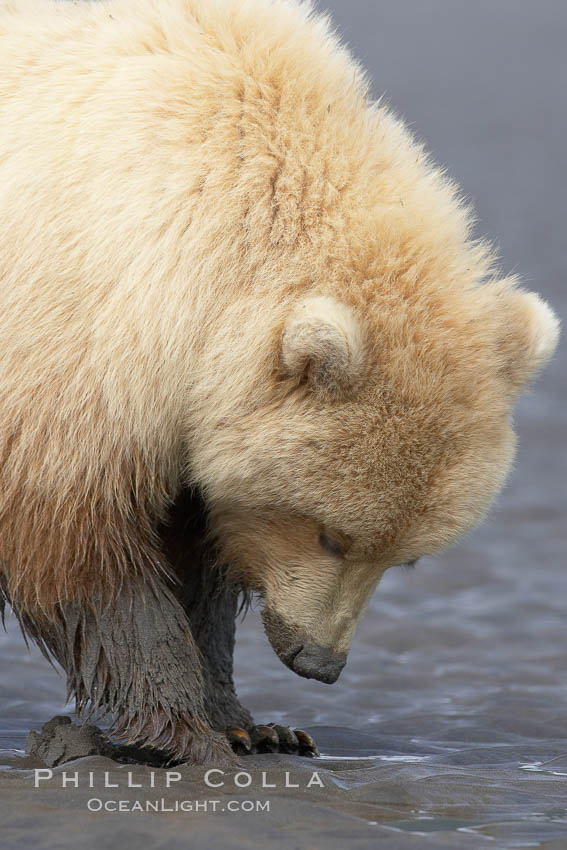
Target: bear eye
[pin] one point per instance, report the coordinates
(330, 545)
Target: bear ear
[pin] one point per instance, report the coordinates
(529, 332)
(322, 342)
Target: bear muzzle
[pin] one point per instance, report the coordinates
(318, 662)
(299, 652)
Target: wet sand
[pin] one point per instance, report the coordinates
(448, 727)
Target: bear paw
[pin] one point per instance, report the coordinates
(61, 740)
(271, 738)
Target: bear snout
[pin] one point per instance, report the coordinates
(318, 662)
(302, 655)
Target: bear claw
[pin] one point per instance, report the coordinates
(239, 740)
(265, 739)
(307, 746)
(271, 738)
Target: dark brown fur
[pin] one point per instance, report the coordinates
(158, 655)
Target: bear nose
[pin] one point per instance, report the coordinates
(319, 662)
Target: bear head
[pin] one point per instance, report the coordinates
(386, 436)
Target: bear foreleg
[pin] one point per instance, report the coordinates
(211, 603)
(135, 657)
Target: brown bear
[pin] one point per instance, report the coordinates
(247, 343)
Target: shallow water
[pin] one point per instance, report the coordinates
(448, 727)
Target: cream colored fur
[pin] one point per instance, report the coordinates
(179, 180)
(322, 342)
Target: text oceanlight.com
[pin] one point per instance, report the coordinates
(95, 804)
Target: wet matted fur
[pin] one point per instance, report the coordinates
(158, 656)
